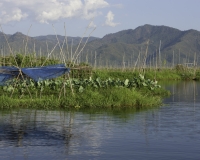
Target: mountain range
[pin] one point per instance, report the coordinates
(160, 45)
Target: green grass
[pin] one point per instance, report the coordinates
(107, 97)
(137, 92)
(158, 74)
(102, 98)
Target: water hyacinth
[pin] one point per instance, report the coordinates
(81, 84)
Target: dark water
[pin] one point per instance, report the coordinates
(169, 132)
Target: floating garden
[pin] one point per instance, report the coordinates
(84, 86)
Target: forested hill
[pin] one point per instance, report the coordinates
(166, 44)
(169, 42)
(18, 42)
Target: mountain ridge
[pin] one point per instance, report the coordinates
(187, 43)
(123, 46)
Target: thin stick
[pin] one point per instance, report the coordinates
(81, 39)
(47, 47)
(9, 46)
(160, 55)
(14, 86)
(63, 88)
(70, 84)
(49, 54)
(123, 62)
(83, 46)
(26, 44)
(145, 57)
(173, 60)
(26, 84)
(136, 62)
(61, 51)
(95, 60)
(66, 41)
(14, 59)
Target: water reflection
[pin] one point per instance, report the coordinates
(25, 127)
(64, 133)
(186, 91)
(169, 132)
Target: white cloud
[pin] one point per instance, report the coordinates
(46, 11)
(109, 20)
(14, 15)
(92, 25)
(91, 7)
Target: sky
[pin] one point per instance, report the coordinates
(95, 17)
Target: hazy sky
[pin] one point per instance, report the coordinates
(108, 16)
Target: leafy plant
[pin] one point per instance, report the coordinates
(49, 86)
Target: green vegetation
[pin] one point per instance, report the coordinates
(179, 72)
(30, 60)
(132, 62)
(90, 88)
(87, 93)
(50, 86)
(110, 98)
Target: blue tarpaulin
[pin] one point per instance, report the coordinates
(4, 78)
(35, 73)
(7, 72)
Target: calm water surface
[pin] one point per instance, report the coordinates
(171, 131)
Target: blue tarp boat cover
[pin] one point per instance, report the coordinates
(35, 73)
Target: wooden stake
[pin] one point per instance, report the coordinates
(70, 84)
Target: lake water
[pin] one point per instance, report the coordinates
(171, 131)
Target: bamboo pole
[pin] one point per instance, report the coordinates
(95, 60)
(25, 48)
(71, 51)
(145, 57)
(74, 60)
(15, 59)
(49, 55)
(76, 53)
(160, 63)
(66, 42)
(70, 84)
(61, 48)
(63, 88)
(123, 62)
(9, 46)
(173, 60)
(136, 62)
